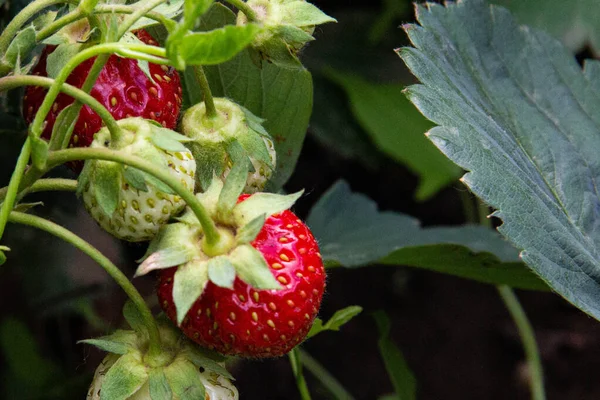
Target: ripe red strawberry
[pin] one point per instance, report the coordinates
(122, 87)
(248, 322)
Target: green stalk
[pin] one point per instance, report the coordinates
(211, 110)
(60, 23)
(63, 156)
(329, 382)
(135, 16)
(109, 267)
(44, 185)
(296, 363)
(245, 8)
(13, 186)
(11, 82)
(532, 353)
(106, 48)
(526, 332)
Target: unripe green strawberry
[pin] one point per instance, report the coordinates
(129, 203)
(234, 134)
(287, 27)
(181, 370)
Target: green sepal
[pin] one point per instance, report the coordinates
(107, 185)
(281, 54)
(168, 142)
(24, 207)
(302, 13)
(294, 36)
(2, 255)
(157, 183)
(130, 38)
(45, 19)
(58, 58)
(188, 284)
(119, 342)
(39, 152)
(255, 146)
(251, 267)
(133, 317)
(135, 178)
(20, 47)
(165, 258)
(124, 378)
(84, 177)
(341, 317)
(76, 32)
(236, 179)
(209, 162)
(255, 122)
(209, 360)
(221, 272)
(263, 204)
(60, 128)
(209, 198)
(248, 232)
(193, 9)
(158, 385)
(184, 380)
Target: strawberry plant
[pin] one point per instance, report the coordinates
(182, 121)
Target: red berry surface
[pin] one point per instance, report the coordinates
(122, 87)
(259, 323)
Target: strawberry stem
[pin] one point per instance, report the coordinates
(54, 229)
(44, 185)
(136, 15)
(245, 8)
(211, 110)
(13, 185)
(296, 363)
(213, 237)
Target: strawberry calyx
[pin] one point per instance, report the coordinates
(117, 195)
(181, 367)
(183, 244)
(288, 26)
(234, 135)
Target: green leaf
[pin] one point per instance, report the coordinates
(188, 284)
(158, 385)
(352, 232)
(170, 9)
(398, 130)
(61, 129)
(107, 185)
(133, 317)
(124, 378)
(193, 9)
(248, 232)
(302, 13)
(574, 22)
(252, 268)
(525, 127)
(21, 46)
(402, 377)
(184, 379)
(221, 272)
(263, 204)
(44, 19)
(216, 46)
(58, 58)
(39, 152)
(341, 317)
(281, 96)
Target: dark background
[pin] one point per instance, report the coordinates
(455, 334)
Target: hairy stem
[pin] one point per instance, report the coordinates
(55, 26)
(329, 382)
(211, 110)
(63, 156)
(137, 14)
(532, 353)
(44, 185)
(245, 8)
(296, 363)
(109, 267)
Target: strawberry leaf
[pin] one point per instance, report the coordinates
(124, 378)
(193, 9)
(263, 204)
(158, 385)
(133, 317)
(353, 233)
(44, 19)
(169, 9)
(107, 185)
(302, 13)
(252, 268)
(216, 46)
(221, 272)
(21, 46)
(516, 110)
(188, 284)
(184, 380)
(59, 57)
(341, 317)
